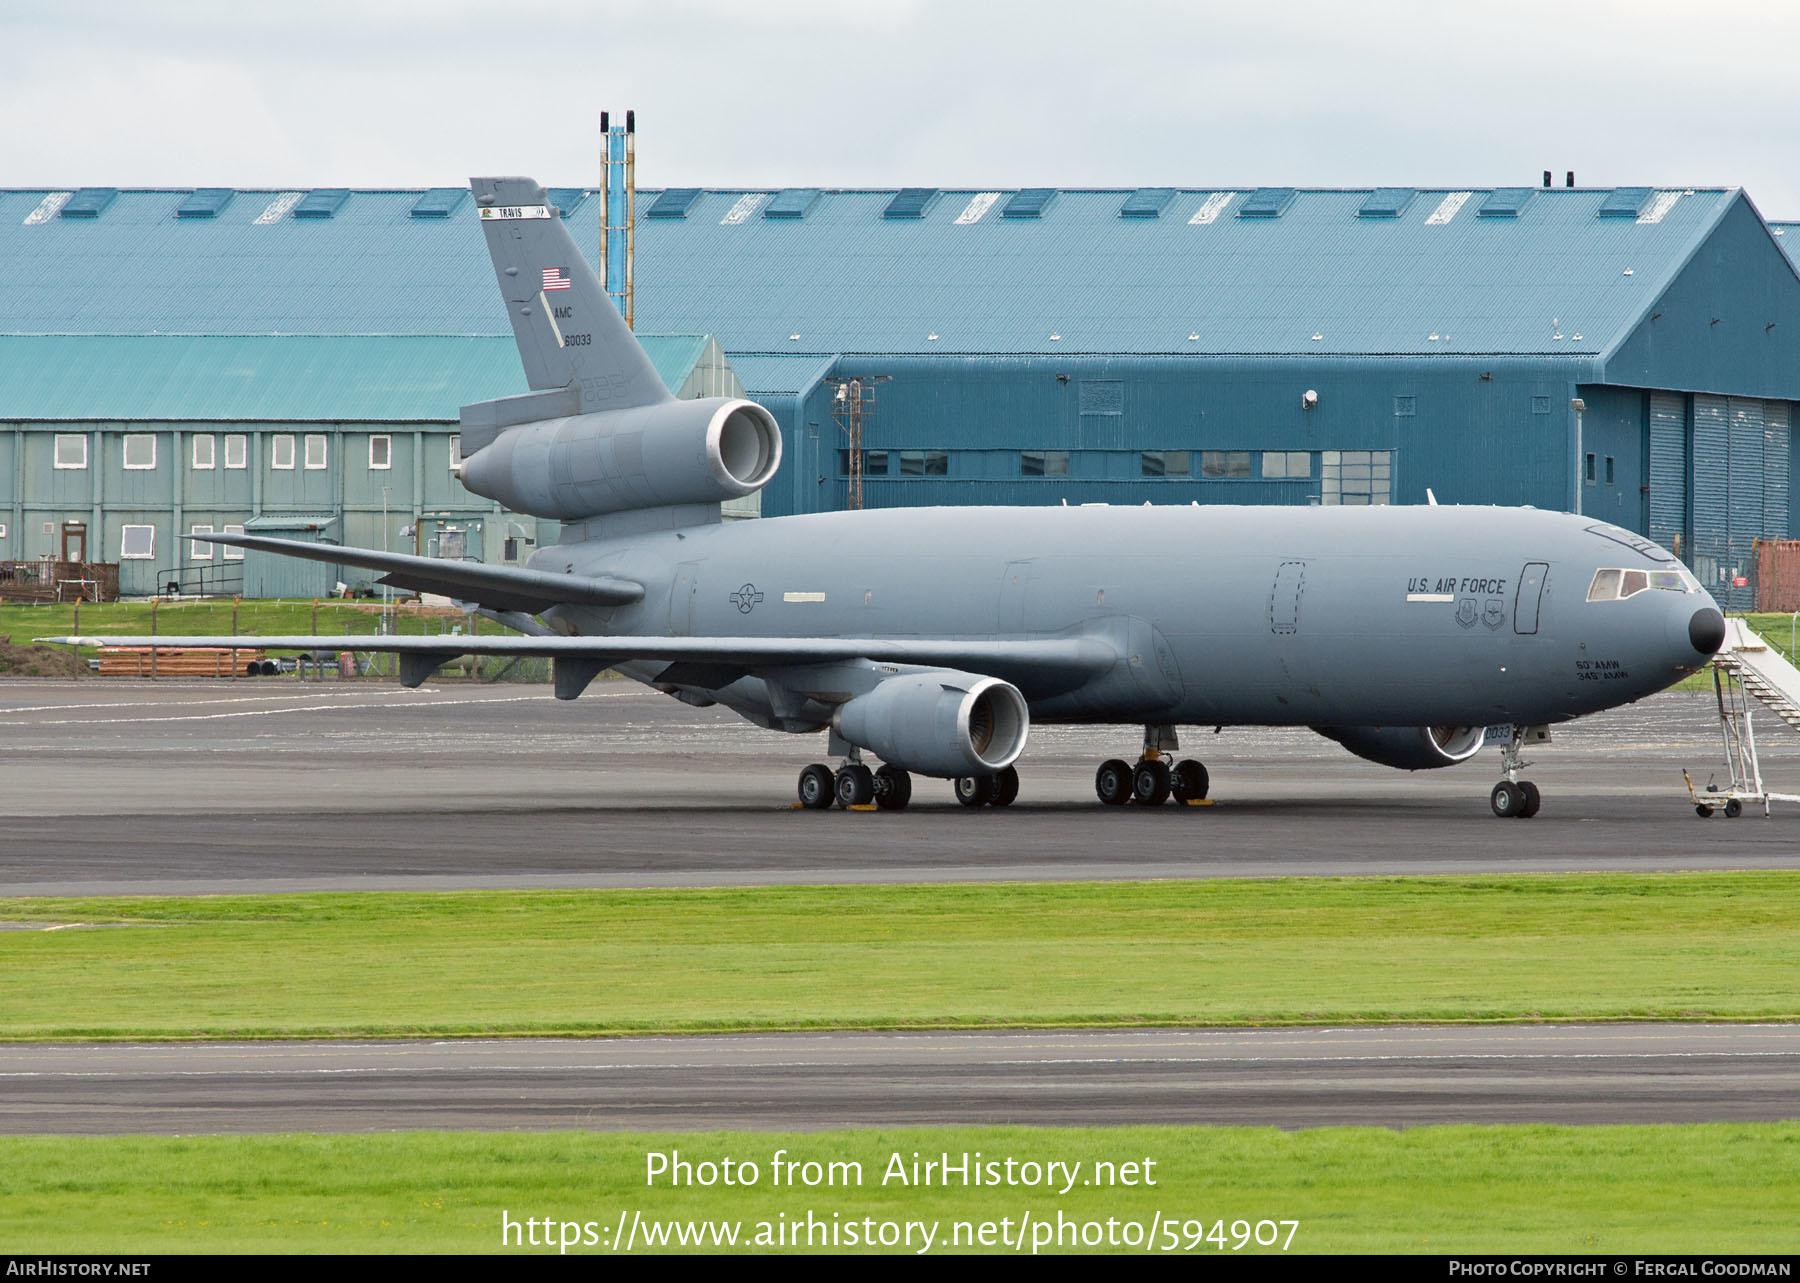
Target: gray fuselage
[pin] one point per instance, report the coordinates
(1324, 616)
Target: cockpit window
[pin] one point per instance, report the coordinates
(1605, 586)
(1612, 584)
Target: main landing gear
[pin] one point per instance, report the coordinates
(888, 788)
(1152, 781)
(1513, 797)
(999, 789)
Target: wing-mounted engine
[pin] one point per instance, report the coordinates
(1409, 748)
(649, 456)
(939, 722)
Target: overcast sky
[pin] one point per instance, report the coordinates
(773, 93)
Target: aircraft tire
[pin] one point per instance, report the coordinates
(854, 785)
(1533, 799)
(1150, 782)
(1189, 781)
(817, 788)
(1733, 809)
(1112, 782)
(974, 790)
(893, 788)
(1507, 799)
(1006, 788)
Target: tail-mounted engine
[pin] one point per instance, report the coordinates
(649, 456)
(1409, 748)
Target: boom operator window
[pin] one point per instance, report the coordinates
(1616, 585)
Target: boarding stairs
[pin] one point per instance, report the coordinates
(1747, 668)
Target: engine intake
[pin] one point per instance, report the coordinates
(939, 722)
(651, 456)
(1409, 748)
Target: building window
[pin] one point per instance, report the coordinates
(1167, 463)
(1279, 465)
(875, 463)
(1609, 469)
(237, 450)
(924, 463)
(381, 453)
(201, 550)
(1590, 469)
(231, 552)
(203, 454)
(1224, 463)
(137, 543)
(315, 452)
(281, 453)
(1043, 463)
(456, 452)
(140, 451)
(1355, 477)
(71, 450)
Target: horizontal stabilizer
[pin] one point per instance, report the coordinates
(496, 587)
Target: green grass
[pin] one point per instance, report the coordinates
(214, 617)
(1538, 947)
(1576, 1190)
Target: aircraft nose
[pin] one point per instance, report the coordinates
(1706, 630)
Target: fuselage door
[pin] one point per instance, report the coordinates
(1014, 584)
(681, 598)
(1530, 596)
(1284, 598)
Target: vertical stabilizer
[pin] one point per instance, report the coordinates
(569, 334)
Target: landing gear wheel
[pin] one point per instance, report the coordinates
(974, 790)
(1150, 782)
(1113, 782)
(1507, 799)
(1733, 809)
(817, 788)
(854, 785)
(893, 788)
(1188, 782)
(1532, 799)
(1006, 788)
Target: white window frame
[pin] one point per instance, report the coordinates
(194, 553)
(456, 459)
(231, 552)
(317, 439)
(65, 438)
(139, 439)
(387, 453)
(241, 443)
(279, 445)
(207, 460)
(125, 553)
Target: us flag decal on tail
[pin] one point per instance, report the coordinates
(555, 279)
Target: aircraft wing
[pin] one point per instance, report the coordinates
(1054, 662)
(496, 587)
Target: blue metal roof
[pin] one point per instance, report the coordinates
(1435, 279)
(258, 378)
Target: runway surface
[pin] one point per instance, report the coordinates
(1289, 1078)
(191, 787)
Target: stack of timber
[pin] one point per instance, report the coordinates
(177, 661)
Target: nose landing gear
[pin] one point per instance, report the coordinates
(1514, 798)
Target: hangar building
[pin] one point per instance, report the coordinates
(1162, 345)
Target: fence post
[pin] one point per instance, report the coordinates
(154, 601)
(234, 654)
(77, 631)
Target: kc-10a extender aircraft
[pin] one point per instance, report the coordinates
(932, 638)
